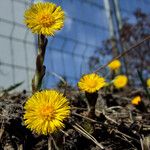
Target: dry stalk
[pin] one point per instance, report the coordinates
(55, 145)
(142, 145)
(123, 53)
(108, 118)
(87, 118)
(125, 135)
(49, 142)
(87, 135)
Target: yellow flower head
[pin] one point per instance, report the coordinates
(148, 83)
(45, 111)
(91, 83)
(44, 18)
(136, 100)
(120, 81)
(114, 65)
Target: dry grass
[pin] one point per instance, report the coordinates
(117, 124)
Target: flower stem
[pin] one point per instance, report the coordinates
(40, 68)
(91, 99)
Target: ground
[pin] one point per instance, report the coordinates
(118, 125)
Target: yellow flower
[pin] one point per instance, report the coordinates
(91, 83)
(136, 100)
(148, 83)
(45, 112)
(120, 81)
(114, 65)
(44, 18)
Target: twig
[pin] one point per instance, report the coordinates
(125, 139)
(142, 145)
(108, 118)
(115, 107)
(87, 118)
(131, 117)
(123, 53)
(136, 91)
(87, 135)
(49, 142)
(66, 134)
(58, 76)
(2, 129)
(125, 135)
(78, 108)
(56, 147)
(121, 97)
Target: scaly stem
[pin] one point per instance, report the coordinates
(91, 99)
(40, 68)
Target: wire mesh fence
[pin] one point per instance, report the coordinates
(68, 53)
(17, 45)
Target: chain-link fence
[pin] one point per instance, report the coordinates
(68, 52)
(17, 46)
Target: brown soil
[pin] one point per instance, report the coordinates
(118, 125)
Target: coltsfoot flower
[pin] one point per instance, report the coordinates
(120, 81)
(136, 100)
(44, 18)
(114, 65)
(148, 83)
(91, 83)
(45, 112)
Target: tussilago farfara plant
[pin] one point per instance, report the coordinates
(45, 110)
(136, 100)
(114, 65)
(139, 104)
(43, 19)
(148, 82)
(120, 81)
(90, 84)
